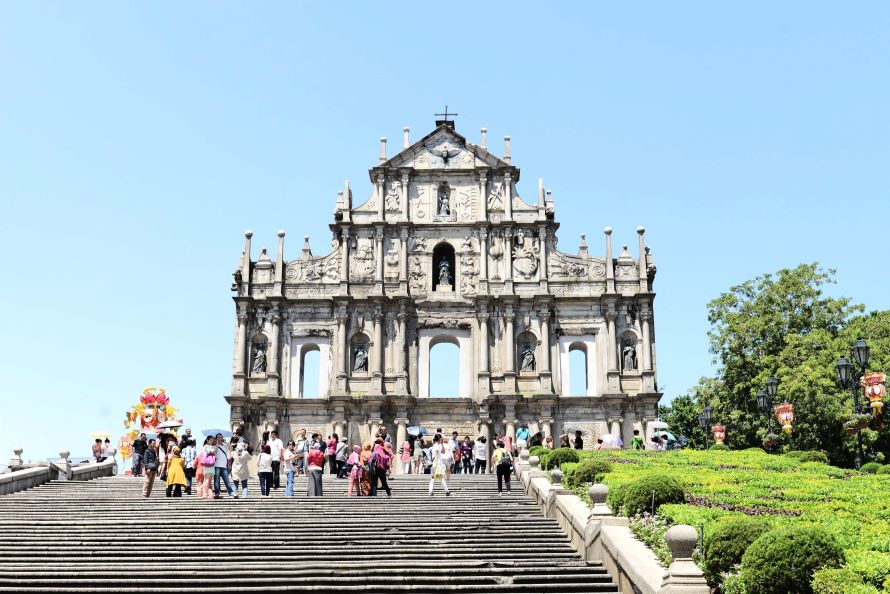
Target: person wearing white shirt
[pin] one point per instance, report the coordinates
(264, 468)
(438, 470)
(277, 447)
(289, 457)
(481, 454)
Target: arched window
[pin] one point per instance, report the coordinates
(310, 371)
(359, 358)
(578, 370)
(443, 267)
(444, 369)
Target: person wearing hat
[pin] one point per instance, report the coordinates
(175, 474)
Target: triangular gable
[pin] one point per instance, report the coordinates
(443, 148)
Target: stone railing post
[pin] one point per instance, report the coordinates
(534, 462)
(112, 453)
(556, 476)
(598, 494)
(65, 463)
(523, 461)
(16, 459)
(683, 576)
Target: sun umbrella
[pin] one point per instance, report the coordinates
(170, 425)
(417, 431)
(666, 435)
(657, 425)
(214, 432)
(611, 440)
(100, 435)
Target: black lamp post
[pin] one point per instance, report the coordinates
(849, 377)
(765, 401)
(704, 419)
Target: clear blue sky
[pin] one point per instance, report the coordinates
(139, 141)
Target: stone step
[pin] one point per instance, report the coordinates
(77, 537)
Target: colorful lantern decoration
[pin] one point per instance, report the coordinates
(125, 447)
(152, 409)
(785, 416)
(719, 432)
(873, 384)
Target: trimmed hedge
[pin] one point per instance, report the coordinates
(808, 456)
(728, 544)
(885, 469)
(719, 447)
(635, 497)
(538, 451)
(784, 560)
(558, 457)
(870, 467)
(840, 581)
(589, 470)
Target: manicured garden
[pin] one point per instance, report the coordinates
(784, 504)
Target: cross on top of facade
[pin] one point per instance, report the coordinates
(445, 115)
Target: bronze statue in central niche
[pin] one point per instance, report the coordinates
(445, 276)
(528, 357)
(360, 358)
(443, 202)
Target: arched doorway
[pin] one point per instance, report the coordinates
(444, 370)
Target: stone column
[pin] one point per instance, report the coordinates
(342, 345)
(646, 317)
(542, 268)
(612, 349)
(545, 426)
(610, 265)
(379, 189)
(378, 252)
(403, 193)
(508, 195)
(338, 426)
(509, 347)
(239, 343)
(508, 257)
(378, 354)
(511, 428)
(401, 435)
(375, 426)
(272, 368)
(344, 260)
(683, 576)
(403, 260)
(483, 341)
(483, 199)
(615, 426)
(483, 254)
(544, 317)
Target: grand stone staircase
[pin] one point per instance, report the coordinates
(102, 535)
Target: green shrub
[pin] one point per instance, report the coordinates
(840, 581)
(873, 567)
(635, 497)
(589, 470)
(784, 560)
(885, 469)
(719, 447)
(558, 457)
(808, 456)
(537, 451)
(870, 467)
(732, 584)
(728, 544)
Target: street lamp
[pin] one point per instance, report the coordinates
(849, 377)
(765, 399)
(704, 420)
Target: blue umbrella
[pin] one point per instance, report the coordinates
(417, 431)
(213, 432)
(666, 435)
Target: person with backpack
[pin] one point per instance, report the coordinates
(503, 463)
(380, 463)
(438, 466)
(341, 455)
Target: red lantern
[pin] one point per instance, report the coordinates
(873, 384)
(719, 432)
(785, 416)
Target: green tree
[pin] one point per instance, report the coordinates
(783, 324)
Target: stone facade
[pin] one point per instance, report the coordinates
(445, 250)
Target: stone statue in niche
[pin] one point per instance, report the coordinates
(392, 261)
(525, 256)
(445, 276)
(259, 358)
(360, 358)
(629, 355)
(443, 201)
(528, 357)
(495, 198)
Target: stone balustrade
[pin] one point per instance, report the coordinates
(21, 477)
(598, 535)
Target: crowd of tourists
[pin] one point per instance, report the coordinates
(219, 465)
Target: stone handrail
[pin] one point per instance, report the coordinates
(598, 535)
(38, 474)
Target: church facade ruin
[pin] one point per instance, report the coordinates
(445, 250)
